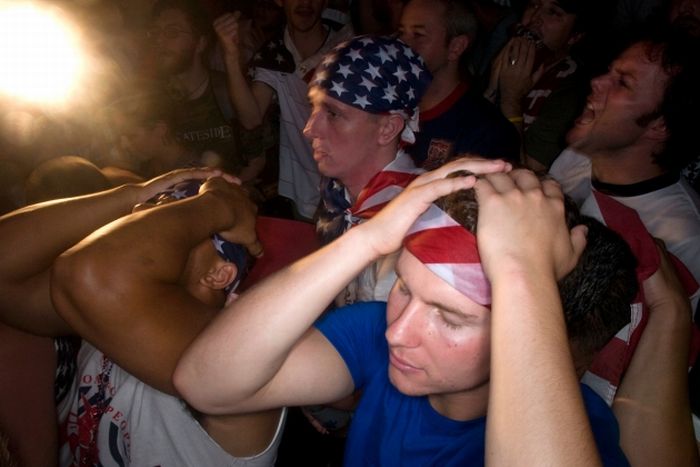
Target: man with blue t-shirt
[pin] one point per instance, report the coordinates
(423, 361)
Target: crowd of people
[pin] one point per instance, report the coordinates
(497, 251)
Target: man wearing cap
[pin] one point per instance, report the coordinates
(137, 291)
(365, 98)
(422, 361)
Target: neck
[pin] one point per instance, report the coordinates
(357, 181)
(192, 82)
(173, 156)
(624, 167)
(308, 42)
(462, 406)
(444, 82)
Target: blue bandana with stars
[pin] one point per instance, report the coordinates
(377, 74)
(229, 251)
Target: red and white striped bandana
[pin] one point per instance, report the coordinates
(384, 186)
(450, 252)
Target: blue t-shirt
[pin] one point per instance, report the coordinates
(390, 428)
(464, 122)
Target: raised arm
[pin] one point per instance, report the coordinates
(122, 287)
(260, 353)
(652, 403)
(525, 247)
(251, 100)
(32, 237)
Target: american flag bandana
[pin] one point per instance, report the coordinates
(377, 74)
(338, 214)
(229, 251)
(450, 252)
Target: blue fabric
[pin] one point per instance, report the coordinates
(390, 428)
(472, 124)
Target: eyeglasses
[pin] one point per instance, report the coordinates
(169, 32)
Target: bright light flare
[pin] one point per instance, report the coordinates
(40, 54)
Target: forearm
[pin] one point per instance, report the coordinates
(536, 414)
(652, 403)
(249, 109)
(30, 240)
(246, 345)
(32, 237)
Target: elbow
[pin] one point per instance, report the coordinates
(188, 384)
(199, 390)
(66, 279)
(75, 285)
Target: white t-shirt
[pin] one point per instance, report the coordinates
(110, 418)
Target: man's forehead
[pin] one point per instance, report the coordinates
(431, 289)
(172, 16)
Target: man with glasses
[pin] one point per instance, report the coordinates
(180, 35)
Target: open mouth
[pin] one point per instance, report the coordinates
(587, 116)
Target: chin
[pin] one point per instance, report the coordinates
(405, 386)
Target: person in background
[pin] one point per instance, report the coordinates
(453, 118)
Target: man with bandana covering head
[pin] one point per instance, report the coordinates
(422, 361)
(365, 97)
(136, 287)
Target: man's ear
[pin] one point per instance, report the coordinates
(457, 46)
(202, 44)
(220, 275)
(575, 38)
(390, 127)
(656, 130)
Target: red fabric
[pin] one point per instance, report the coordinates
(612, 361)
(284, 241)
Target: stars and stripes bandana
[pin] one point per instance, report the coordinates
(229, 251)
(376, 74)
(338, 214)
(450, 252)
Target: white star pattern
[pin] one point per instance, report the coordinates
(416, 70)
(383, 55)
(361, 101)
(411, 93)
(338, 89)
(355, 54)
(279, 58)
(178, 194)
(400, 74)
(389, 95)
(344, 70)
(366, 41)
(367, 84)
(392, 50)
(408, 51)
(373, 71)
(218, 244)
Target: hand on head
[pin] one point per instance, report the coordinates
(388, 228)
(244, 212)
(522, 226)
(663, 289)
(152, 187)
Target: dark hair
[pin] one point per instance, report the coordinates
(597, 293)
(196, 15)
(677, 53)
